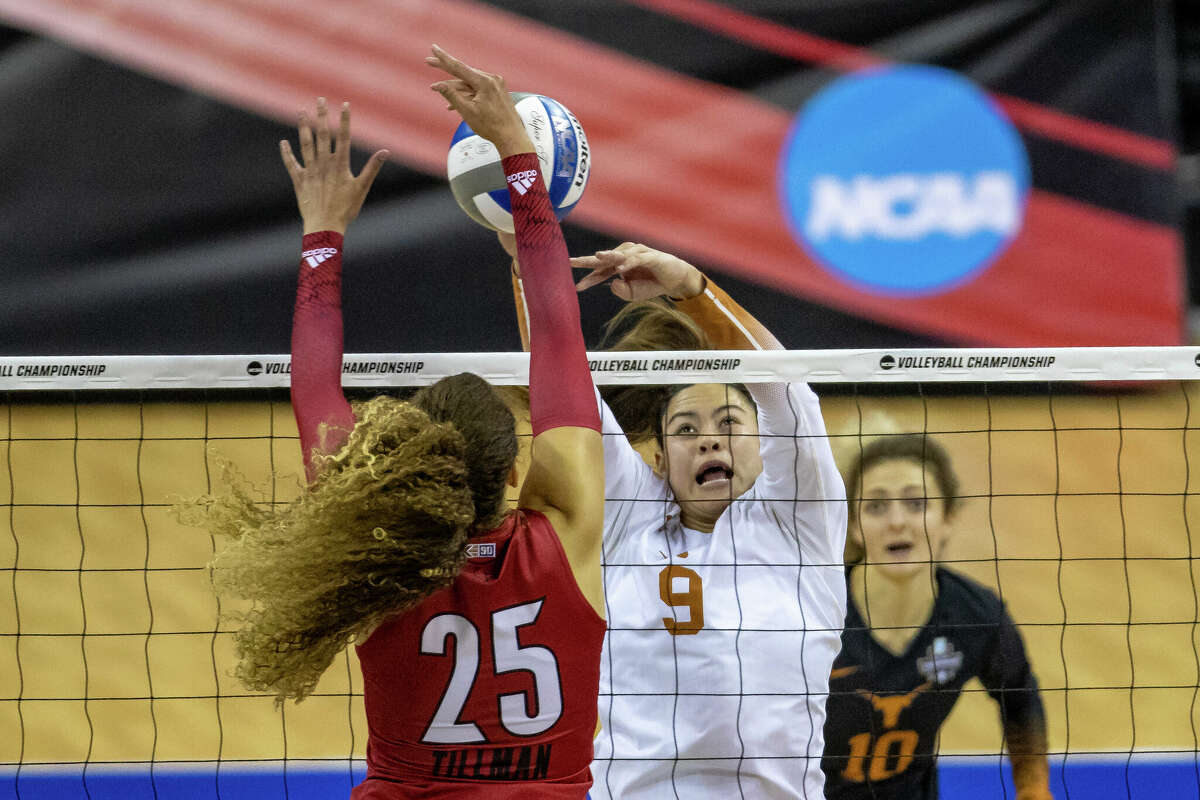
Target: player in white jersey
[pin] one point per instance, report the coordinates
(723, 573)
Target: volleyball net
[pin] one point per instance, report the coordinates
(116, 665)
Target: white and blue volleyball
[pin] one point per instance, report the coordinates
(477, 177)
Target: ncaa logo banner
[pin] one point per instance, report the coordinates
(904, 180)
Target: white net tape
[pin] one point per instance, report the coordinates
(814, 366)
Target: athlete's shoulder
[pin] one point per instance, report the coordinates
(534, 529)
(531, 518)
(967, 596)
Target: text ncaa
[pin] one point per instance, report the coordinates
(904, 180)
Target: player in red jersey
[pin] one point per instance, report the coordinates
(480, 629)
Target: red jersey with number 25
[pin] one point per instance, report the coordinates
(488, 687)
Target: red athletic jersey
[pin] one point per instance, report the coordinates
(488, 687)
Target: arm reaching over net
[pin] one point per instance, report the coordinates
(797, 463)
(329, 197)
(564, 479)
(640, 273)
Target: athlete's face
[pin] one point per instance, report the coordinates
(710, 434)
(901, 518)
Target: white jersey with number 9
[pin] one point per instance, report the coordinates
(716, 663)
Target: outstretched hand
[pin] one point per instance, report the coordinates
(328, 193)
(483, 101)
(640, 273)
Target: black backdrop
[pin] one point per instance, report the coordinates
(137, 217)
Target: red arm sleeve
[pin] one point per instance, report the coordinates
(323, 415)
(560, 384)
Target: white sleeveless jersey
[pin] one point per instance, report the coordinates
(716, 663)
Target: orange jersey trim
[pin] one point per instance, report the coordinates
(727, 324)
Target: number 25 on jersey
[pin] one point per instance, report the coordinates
(447, 725)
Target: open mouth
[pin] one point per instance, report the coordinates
(899, 548)
(713, 471)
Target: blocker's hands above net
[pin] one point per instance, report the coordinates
(640, 273)
(328, 193)
(483, 101)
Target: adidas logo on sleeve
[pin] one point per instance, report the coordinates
(523, 181)
(314, 258)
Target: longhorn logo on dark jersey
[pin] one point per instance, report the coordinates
(892, 705)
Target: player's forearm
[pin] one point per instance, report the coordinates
(1031, 777)
(519, 304)
(727, 324)
(323, 417)
(1027, 752)
(560, 384)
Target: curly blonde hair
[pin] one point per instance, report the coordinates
(384, 524)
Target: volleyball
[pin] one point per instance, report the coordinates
(477, 177)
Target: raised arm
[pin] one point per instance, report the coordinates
(639, 273)
(800, 480)
(627, 477)
(798, 464)
(329, 197)
(566, 473)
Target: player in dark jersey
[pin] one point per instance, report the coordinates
(915, 633)
(479, 629)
